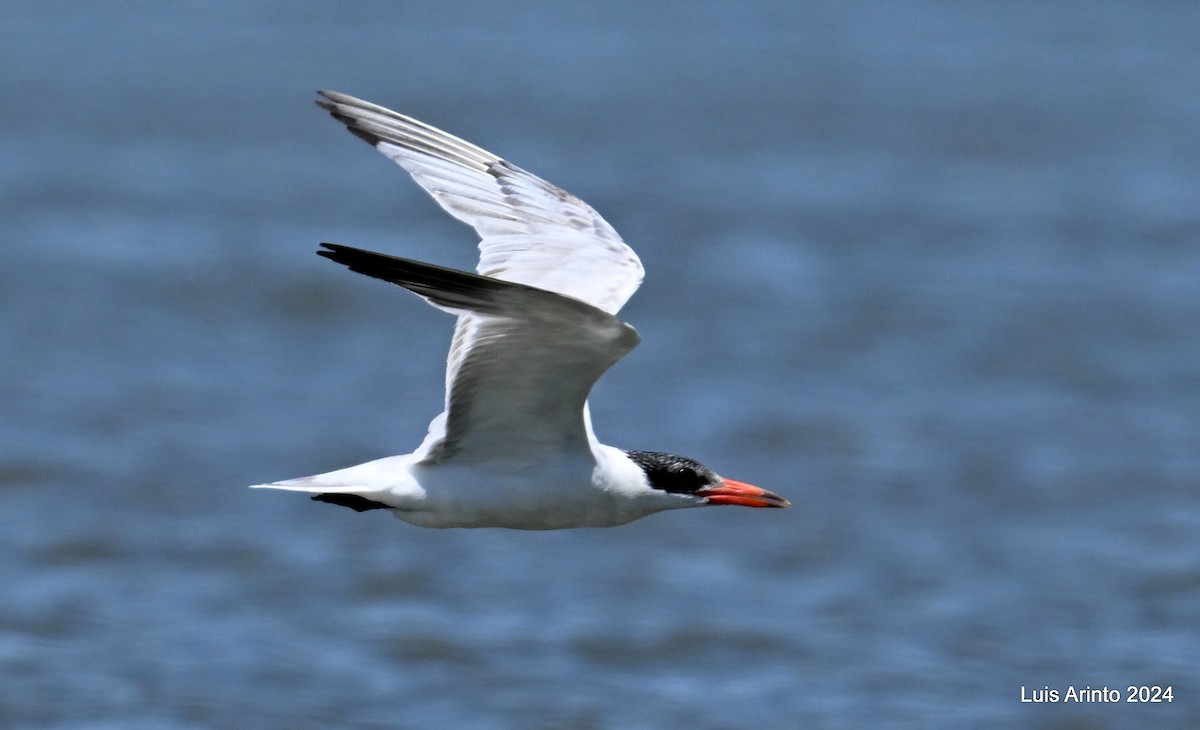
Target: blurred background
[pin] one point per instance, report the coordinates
(928, 269)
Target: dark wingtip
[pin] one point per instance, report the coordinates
(357, 260)
(364, 135)
(354, 258)
(353, 501)
(330, 104)
(329, 97)
(345, 254)
(327, 100)
(331, 254)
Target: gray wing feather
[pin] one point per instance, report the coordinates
(530, 231)
(523, 361)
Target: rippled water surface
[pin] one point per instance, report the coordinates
(928, 269)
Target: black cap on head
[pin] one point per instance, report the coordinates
(673, 473)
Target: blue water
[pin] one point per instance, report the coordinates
(928, 269)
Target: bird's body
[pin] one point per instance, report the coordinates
(572, 490)
(536, 328)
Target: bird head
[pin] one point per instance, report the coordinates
(688, 478)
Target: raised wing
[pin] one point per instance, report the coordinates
(524, 359)
(530, 231)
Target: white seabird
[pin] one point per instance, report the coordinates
(536, 328)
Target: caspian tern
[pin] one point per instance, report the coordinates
(536, 328)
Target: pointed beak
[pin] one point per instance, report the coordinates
(740, 493)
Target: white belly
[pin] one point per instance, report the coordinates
(541, 498)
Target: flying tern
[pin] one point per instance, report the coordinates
(536, 328)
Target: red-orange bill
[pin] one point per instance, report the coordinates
(742, 494)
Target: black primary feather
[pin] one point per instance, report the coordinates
(353, 501)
